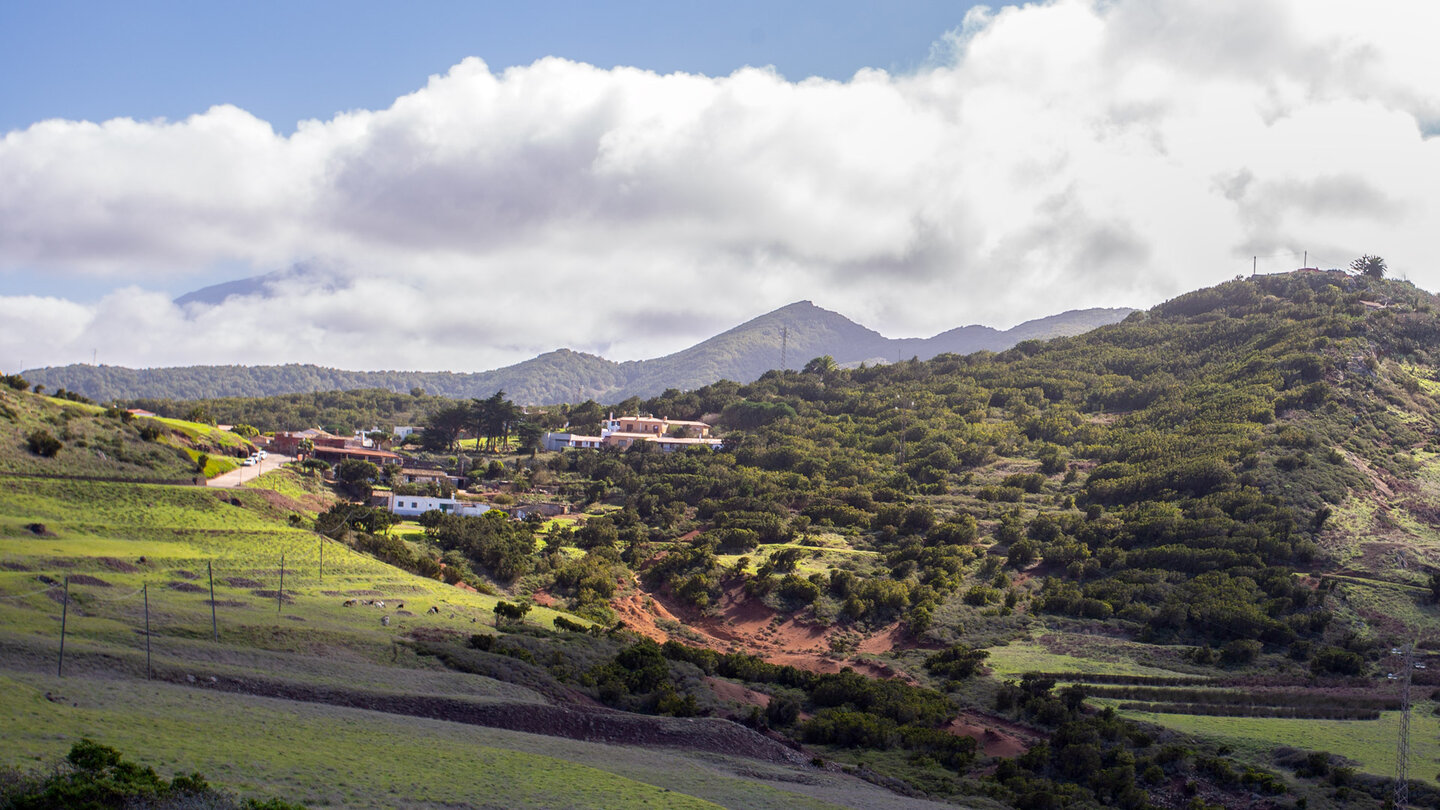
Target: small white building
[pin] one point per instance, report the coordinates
(401, 431)
(561, 441)
(416, 505)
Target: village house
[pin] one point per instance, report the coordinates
(416, 505)
(669, 434)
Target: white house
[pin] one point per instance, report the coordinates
(415, 505)
(401, 431)
(669, 434)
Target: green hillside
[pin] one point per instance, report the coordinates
(49, 436)
(742, 353)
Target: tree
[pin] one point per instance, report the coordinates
(355, 476)
(245, 431)
(1367, 265)
(824, 366)
(442, 430)
(531, 437)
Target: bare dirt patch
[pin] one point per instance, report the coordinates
(184, 587)
(86, 579)
(243, 582)
(117, 565)
(742, 623)
(997, 737)
(735, 693)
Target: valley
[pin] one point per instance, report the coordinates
(1190, 559)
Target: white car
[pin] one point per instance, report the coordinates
(261, 454)
(249, 462)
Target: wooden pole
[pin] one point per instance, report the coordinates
(322, 561)
(148, 669)
(64, 614)
(280, 594)
(214, 626)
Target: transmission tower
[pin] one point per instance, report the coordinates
(1402, 749)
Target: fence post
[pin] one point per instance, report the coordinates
(148, 668)
(322, 561)
(280, 594)
(64, 614)
(214, 626)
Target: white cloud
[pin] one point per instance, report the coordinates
(1051, 156)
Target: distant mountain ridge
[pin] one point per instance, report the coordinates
(742, 354)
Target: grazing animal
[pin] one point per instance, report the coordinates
(379, 603)
(349, 603)
(399, 605)
(384, 621)
(433, 609)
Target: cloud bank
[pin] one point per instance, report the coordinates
(1053, 156)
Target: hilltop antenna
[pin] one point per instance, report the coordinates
(1254, 264)
(1402, 750)
(784, 345)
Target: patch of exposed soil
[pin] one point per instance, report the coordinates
(184, 587)
(86, 579)
(995, 739)
(243, 582)
(742, 623)
(735, 693)
(117, 565)
(271, 594)
(13, 566)
(183, 574)
(230, 603)
(364, 593)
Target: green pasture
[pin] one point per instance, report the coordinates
(126, 536)
(1370, 744)
(1018, 657)
(329, 756)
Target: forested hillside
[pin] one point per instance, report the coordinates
(1236, 484)
(742, 353)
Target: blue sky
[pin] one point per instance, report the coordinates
(473, 184)
(288, 61)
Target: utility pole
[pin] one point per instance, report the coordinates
(280, 594)
(1254, 264)
(784, 345)
(1402, 750)
(214, 627)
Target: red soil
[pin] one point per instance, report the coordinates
(997, 737)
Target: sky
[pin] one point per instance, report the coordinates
(462, 185)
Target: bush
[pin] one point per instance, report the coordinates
(41, 443)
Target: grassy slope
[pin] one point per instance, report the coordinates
(324, 755)
(104, 446)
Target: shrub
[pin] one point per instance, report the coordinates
(41, 443)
